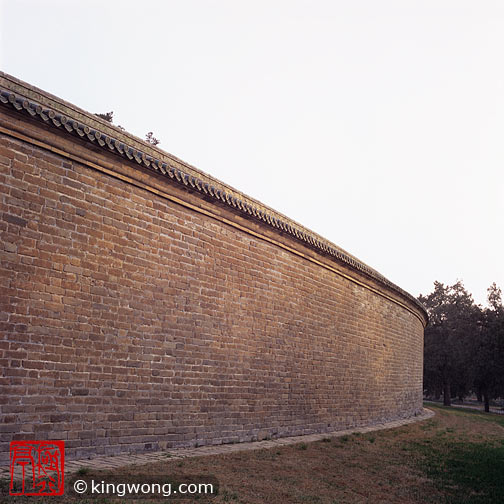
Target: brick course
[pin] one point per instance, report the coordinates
(131, 322)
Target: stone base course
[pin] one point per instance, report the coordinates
(106, 463)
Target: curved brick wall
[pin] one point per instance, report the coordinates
(140, 311)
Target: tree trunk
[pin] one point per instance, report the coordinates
(487, 402)
(446, 393)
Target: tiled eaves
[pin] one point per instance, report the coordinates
(212, 191)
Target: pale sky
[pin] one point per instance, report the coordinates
(377, 124)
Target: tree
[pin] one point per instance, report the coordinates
(107, 116)
(494, 297)
(489, 352)
(453, 322)
(151, 138)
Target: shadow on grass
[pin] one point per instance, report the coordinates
(465, 471)
(473, 413)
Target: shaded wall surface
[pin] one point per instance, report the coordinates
(137, 313)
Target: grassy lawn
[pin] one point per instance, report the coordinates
(455, 457)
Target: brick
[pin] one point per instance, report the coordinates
(13, 219)
(132, 322)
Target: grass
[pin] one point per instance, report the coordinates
(466, 468)
(457, 457)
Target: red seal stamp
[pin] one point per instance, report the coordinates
(37, 467)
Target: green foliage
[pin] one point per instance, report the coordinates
(464, 344)
(494, 297)
(453, 322)
(489, 352)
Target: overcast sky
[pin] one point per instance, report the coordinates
(377, 124)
